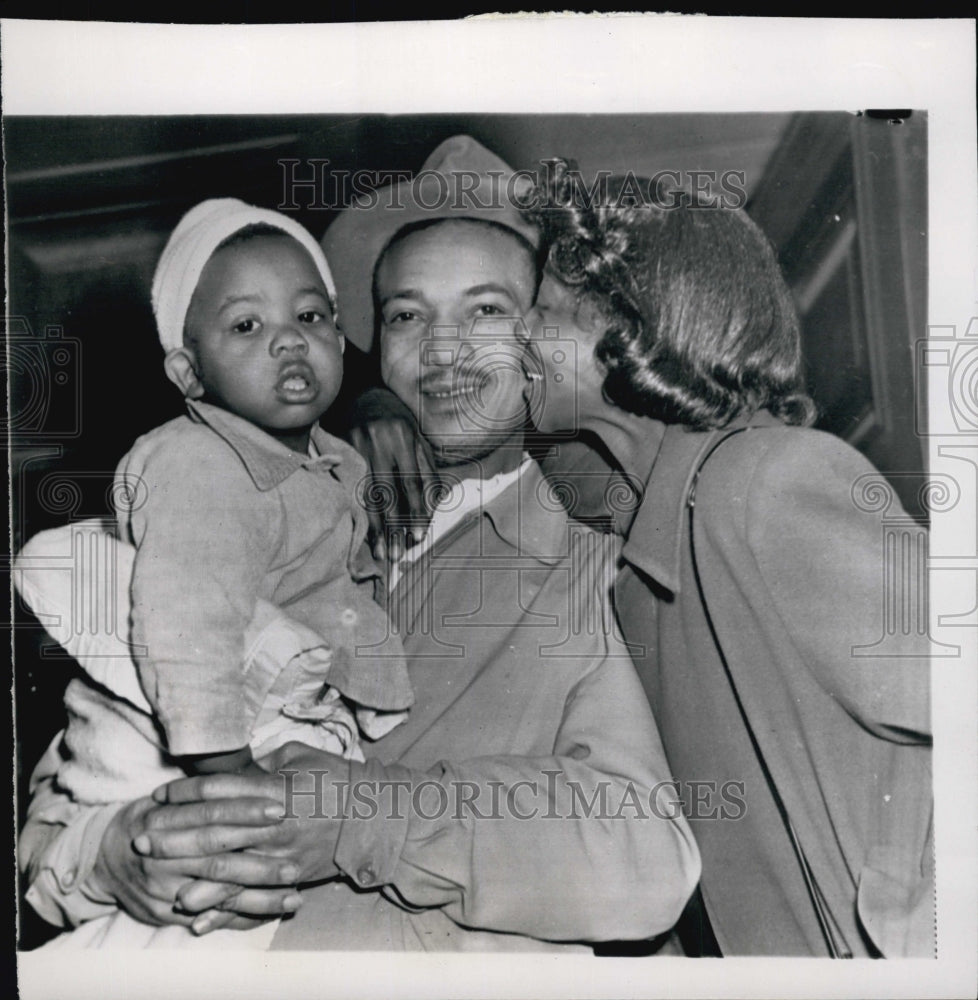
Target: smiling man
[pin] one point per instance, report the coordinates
(448, 336)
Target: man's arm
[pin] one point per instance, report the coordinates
(587, 844)
(59, 845)
(581, 841)
(80, 863)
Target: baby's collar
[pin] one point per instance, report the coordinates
(268, 461)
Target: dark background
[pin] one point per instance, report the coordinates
(91, 201)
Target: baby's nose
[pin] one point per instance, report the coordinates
(288, 337)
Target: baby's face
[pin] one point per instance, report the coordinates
(261, 331)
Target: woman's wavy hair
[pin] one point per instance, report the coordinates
(700, 325)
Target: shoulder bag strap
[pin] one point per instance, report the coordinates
(834, 939)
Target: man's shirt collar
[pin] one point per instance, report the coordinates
(530, 518)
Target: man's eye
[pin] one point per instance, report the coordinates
(245, 326)
(488, 309)
(404, 316)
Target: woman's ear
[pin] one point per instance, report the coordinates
(180, 366)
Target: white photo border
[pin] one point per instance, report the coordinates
(575, 63)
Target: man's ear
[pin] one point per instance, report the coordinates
(180, 366)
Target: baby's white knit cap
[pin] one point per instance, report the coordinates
(197, 236)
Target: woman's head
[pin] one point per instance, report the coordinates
(694, 323)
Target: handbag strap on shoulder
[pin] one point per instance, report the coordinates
(831, 932)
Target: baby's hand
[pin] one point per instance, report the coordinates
(387, 436)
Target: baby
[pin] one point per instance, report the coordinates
(239, 557)
(241, 513)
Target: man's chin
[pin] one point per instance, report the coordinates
(458, 450)
(465, 450)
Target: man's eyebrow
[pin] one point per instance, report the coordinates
(403, 293)
(475, 290)
(490, 286)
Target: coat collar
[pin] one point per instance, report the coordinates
(267, 461)
(654, 543)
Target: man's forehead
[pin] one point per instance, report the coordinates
(457, 234)
(487, 247)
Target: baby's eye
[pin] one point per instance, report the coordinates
(245, 326)
(312, 316)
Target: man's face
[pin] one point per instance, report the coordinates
(452, 298)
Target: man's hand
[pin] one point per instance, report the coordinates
(149, 888)
(301, 845)
(403, 474)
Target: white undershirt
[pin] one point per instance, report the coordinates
(465, 496)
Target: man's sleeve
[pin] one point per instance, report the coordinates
(204, 536)
(586, 844)
(59, 845)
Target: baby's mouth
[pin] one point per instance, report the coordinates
(297, 382)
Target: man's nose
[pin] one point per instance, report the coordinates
(443, 345)
(288, 337)
(439, 354)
